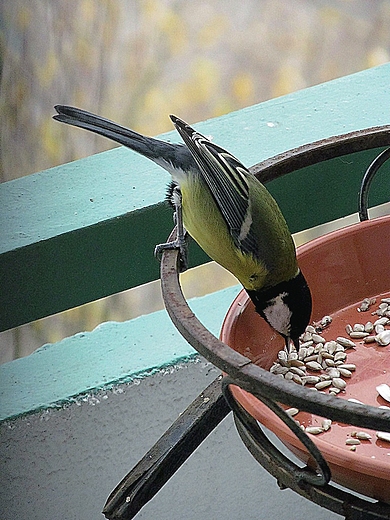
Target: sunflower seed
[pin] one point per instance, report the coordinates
(310, 350)
(358, 335)
(310, 380)
(323, 384)
(314, 430)
(278, 369)
(381, 321)
(345, 342)
(362, 436)
(344, 372)
(340, 356)
(306, 337)
(329, 362)
(352, 400)
(352, 442)
(302, 353)
(383, 338)
(297, 379)
(383, 436)
(313, 365)
(333, 390)
(297, 363)
(326, 355)
(369, 327)
(379, 328)
(313, 357)
(358, 327)
(292, 411)
(366, 304)
(298, 371)
(282, 357)
(326, 321)
(369, 339)
(384, 391)
(318, 339)
(348, 366)
(348, 329)
(333, 372)
(331, 346)
(326, 424)
(339, 383)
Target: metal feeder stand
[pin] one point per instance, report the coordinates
(208, 410)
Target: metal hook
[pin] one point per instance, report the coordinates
(261, 448)
(366, 182)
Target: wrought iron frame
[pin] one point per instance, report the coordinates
(205, 413)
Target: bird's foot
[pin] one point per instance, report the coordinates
(179, 243)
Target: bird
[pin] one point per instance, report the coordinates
(228, 212)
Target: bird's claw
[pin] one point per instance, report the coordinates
(179, 243)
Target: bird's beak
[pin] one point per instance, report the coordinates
(296, 344)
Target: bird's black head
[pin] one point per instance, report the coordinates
(286, 307)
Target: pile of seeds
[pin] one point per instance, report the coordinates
(319, 364)
(373, 332)
(322, 365)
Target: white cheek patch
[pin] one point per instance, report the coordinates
(279, 315)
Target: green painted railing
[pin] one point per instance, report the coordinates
(85, 230)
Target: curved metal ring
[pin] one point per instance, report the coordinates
(366, 182)
(249, 428)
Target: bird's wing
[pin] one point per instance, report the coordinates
(226, 178)
(167, 155)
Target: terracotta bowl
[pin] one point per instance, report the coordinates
(342, 268)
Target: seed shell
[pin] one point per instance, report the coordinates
(339, 383)
(310, 380)
(384, 391)
(358, 335)
(292, 411)
(383, 436)
(344, 372)
(352, 442)
(348, 366)
(345, 342)
(369, 327)
(323, 384)
(362, 436)
(313, 365)
(369, 339)
(383, 338)
(314, 430)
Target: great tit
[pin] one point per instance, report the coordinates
(229, 213)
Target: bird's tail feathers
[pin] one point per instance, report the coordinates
(147, 146)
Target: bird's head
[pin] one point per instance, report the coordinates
(286, 307)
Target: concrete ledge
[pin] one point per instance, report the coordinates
(63, 463)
